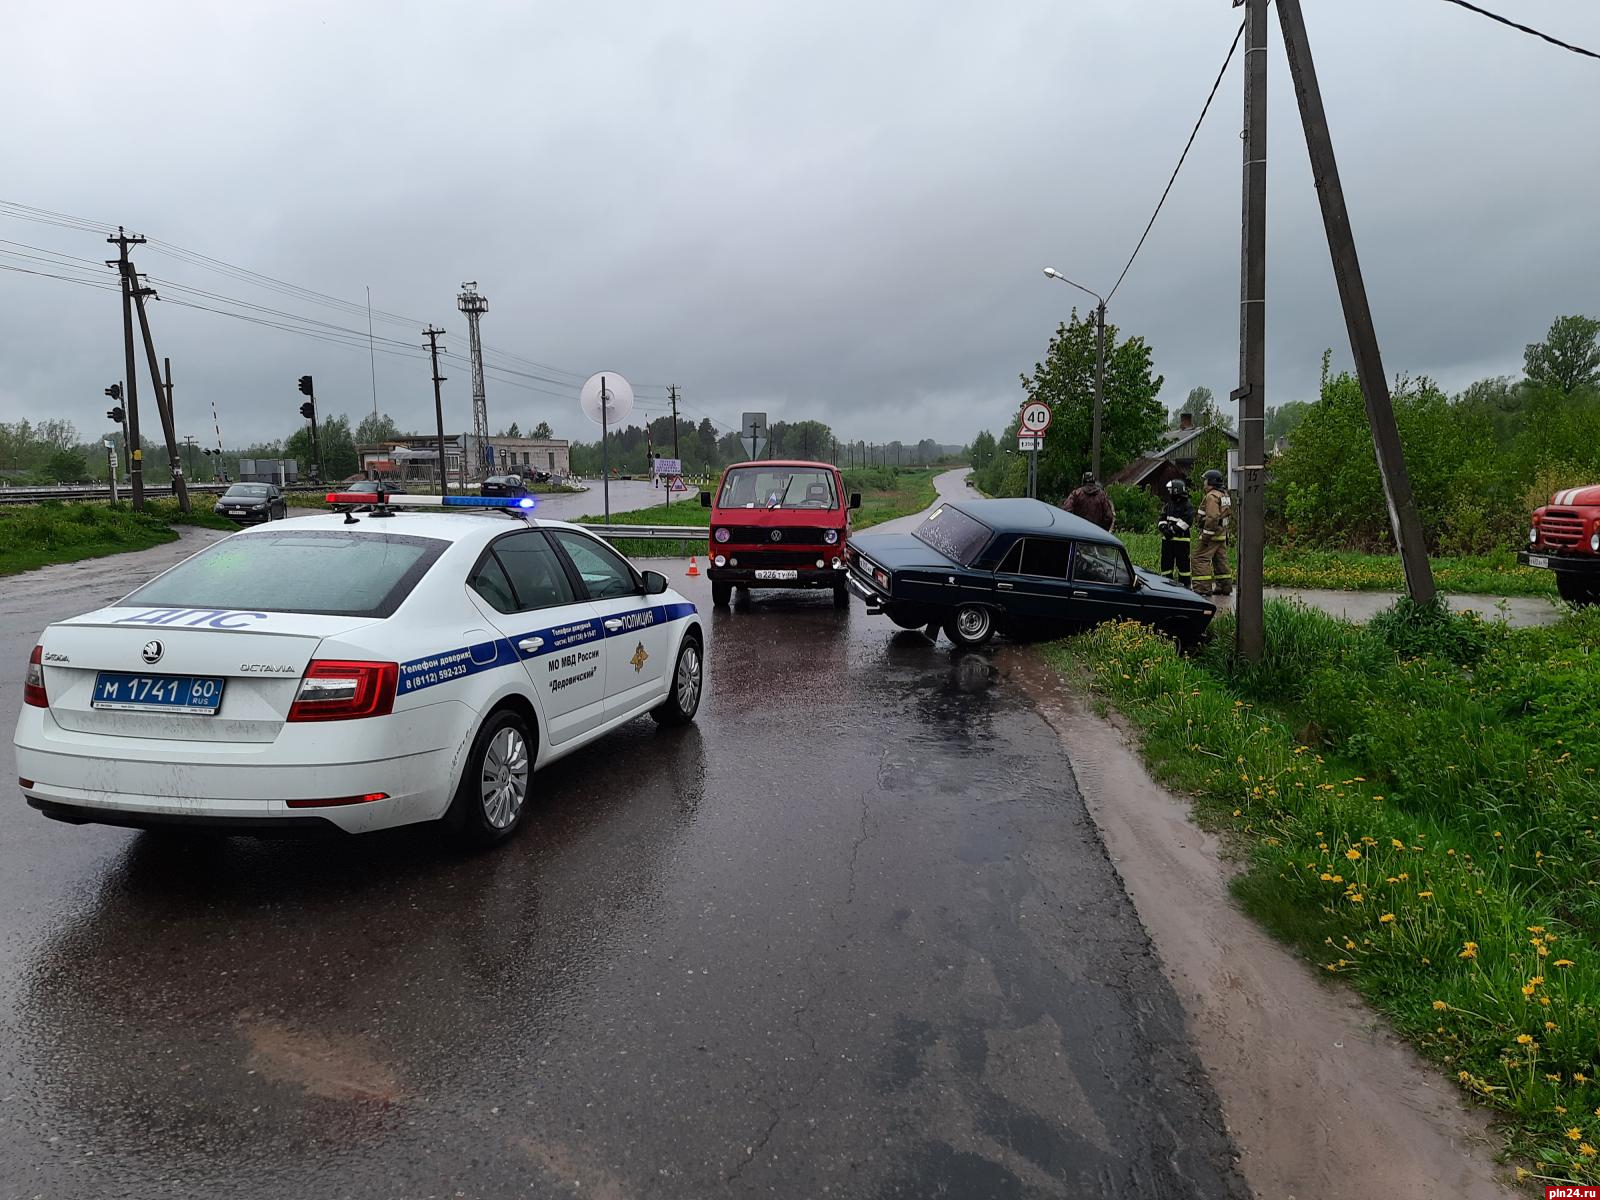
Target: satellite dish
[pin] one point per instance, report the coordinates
(618, 398)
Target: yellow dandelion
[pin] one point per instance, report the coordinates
(1424, 895)
(1352, 854)
(1587, 1150)
(1385, 919)
(1574, 1134)
(1440, 1005)
(1524, 1039)
(1562, 962)
(1469, 950)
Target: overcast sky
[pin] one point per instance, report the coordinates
(832, 210)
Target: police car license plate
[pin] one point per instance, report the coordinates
(199, 694)
(777, 574)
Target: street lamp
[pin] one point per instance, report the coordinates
(1099, 363)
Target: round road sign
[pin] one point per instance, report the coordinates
(618, 398)
(1035, 418)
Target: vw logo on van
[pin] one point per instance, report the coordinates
(152, 652)
(777, 535)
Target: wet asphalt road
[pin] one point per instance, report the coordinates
(851, 934)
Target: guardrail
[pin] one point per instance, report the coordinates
(662, 533)
(32, 495)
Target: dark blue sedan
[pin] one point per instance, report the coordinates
(1019, 567)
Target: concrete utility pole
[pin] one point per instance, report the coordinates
(433, 335)
(475, 306)
(190, 443)
(1404, 522)
(163, 392)
(135, 455)
(672, 394)
(1250, 628)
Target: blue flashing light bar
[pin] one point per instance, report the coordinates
(489, 501)
(410, 500)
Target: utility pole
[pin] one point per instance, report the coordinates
(190, 443)
(433, 335)
(1250, 627)
(672, 394)
(475, 306)
(1404, 522)
(135, 455)
(163, 392)
(1099, 386)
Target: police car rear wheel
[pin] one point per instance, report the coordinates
(973, 625)
(494, 788)
(683, 697)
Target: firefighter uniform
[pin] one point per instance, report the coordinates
(1176, 524)
(1212, 575)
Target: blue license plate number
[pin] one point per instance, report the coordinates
(199, 694)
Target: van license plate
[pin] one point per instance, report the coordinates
(777, 574)
(1538, 560)
(199, 694)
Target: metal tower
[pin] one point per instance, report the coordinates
(475, 306)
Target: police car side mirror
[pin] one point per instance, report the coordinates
(855, 499)
(705, 499)
(654, 583)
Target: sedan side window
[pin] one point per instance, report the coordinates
(1045, 558)
(1095, 563)
(535, 571)
(490, 582)
(605, 574)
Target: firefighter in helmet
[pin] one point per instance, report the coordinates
(1212, 575)
(1176, 523)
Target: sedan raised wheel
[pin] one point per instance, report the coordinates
(972, 625)
(683, 698)
(493, 793)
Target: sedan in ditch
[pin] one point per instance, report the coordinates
(1018, 567)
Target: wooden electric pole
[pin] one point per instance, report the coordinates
(1250, 627)
(1404, 522)
(169, 432)
(433, 335)
(135, 455)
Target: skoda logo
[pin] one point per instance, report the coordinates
(152, 651)
(777, 535)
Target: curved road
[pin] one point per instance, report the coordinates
(852, 934)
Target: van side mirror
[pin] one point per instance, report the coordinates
(654, 583)
(705, 499)
(855, 499)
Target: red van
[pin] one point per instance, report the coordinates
(779, 523)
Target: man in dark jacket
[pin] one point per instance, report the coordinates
(1176, 526)
(1092, 504)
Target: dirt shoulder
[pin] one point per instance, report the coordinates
(1322, 1102)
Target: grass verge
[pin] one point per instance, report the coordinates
(1346, 570)
(886, 493)
(1418, 802)
(35, 535)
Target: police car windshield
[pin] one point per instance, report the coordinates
(327, 572)
(778, 487)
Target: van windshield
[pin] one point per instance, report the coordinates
(778, 487)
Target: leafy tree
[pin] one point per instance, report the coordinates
(1202, 405)
(1569, 356)
(983, 450)
(1283, 418)
(379, 427)
(1131, 423)
(541, 432)
(339, 457)
(67, 466)
(511, 431)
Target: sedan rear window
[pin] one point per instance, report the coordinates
(310, 571)
(954, 534)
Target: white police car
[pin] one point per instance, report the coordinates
(362, 671)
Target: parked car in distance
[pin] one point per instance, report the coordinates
(779, 524)
(505, 485)
(1019, 567)
(366, 487)
(252, 503)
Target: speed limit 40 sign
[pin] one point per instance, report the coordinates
(1035, 419)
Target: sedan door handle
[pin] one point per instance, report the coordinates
(614, 624)
(1004, 587)
(531, 645)
(1080, 595)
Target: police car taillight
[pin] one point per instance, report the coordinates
(336, 690)
(33, 685)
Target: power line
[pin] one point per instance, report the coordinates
(1554, 41)
(1205, 108)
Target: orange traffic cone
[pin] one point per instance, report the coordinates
(694, 567)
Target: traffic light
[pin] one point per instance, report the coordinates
(305, 387)
(308, 410)
(115, 415)
(115, 391)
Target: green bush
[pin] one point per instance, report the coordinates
(1137, 509)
